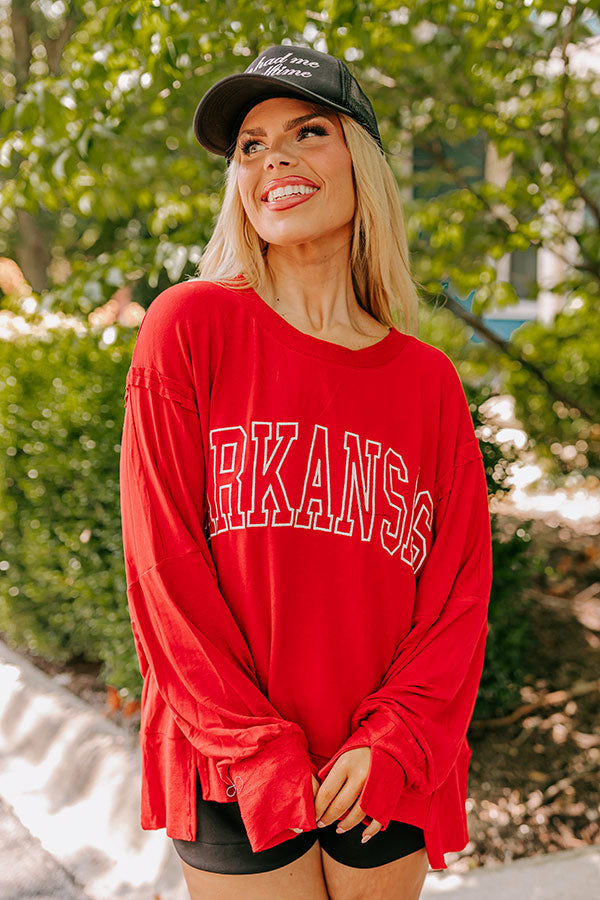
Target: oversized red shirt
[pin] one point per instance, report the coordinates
(308, 555)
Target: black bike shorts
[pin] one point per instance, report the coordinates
(222, 844)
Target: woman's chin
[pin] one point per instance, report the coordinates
(295, 237)
(286, 240)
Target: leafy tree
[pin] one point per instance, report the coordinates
(491, 126)
(103, 184)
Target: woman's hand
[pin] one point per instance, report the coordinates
(340, 789)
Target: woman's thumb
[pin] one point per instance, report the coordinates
(315, 787)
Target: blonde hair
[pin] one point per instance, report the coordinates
(379, 256)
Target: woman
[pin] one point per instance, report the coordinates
(305, 520)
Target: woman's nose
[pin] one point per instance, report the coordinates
(279, 155)
(275, 160)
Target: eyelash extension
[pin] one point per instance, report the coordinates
(304, 129)
(318, 129)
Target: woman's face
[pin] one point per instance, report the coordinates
(295, 173)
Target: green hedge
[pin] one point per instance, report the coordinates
(511, 640)
(63, 593)
(62, 590)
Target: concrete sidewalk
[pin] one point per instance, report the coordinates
(568, 875)
(70, 782)
(72, 778)
(26, 869)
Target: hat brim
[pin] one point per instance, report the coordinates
(221, 107)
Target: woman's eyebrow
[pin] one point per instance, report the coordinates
(292, 123)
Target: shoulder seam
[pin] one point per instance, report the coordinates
(170, 559)
(462, 461)
(164, 385)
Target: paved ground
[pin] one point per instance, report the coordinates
(567, 875)
(27, 871)
(72, 779)
(69, 813)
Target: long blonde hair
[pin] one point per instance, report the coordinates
(379, 256)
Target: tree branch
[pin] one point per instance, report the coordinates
(55, 46)
(21, 35)
(556, 697)
(477, 323)
(564, 139)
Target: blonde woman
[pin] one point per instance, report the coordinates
(305, 520)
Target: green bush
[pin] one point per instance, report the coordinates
(511, 639)
(63, 590)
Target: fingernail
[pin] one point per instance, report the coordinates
(339, 829)
(320, 824)
(365, 838)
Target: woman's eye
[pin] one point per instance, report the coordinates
(249, 146)
(311, 129)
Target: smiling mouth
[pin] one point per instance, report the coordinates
(289, 190)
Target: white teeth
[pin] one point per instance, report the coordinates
(290, 189)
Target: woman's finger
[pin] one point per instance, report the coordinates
(328, 794)
(352, 814)
(315, 786)
(372, 828)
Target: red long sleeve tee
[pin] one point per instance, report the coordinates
(308, 556)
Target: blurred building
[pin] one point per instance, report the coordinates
(477, 161)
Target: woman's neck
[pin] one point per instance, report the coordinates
(312, 286)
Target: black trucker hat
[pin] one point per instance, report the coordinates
(284, 71)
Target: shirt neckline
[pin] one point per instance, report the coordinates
(375, 354)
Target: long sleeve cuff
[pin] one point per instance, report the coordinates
(274, 791)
